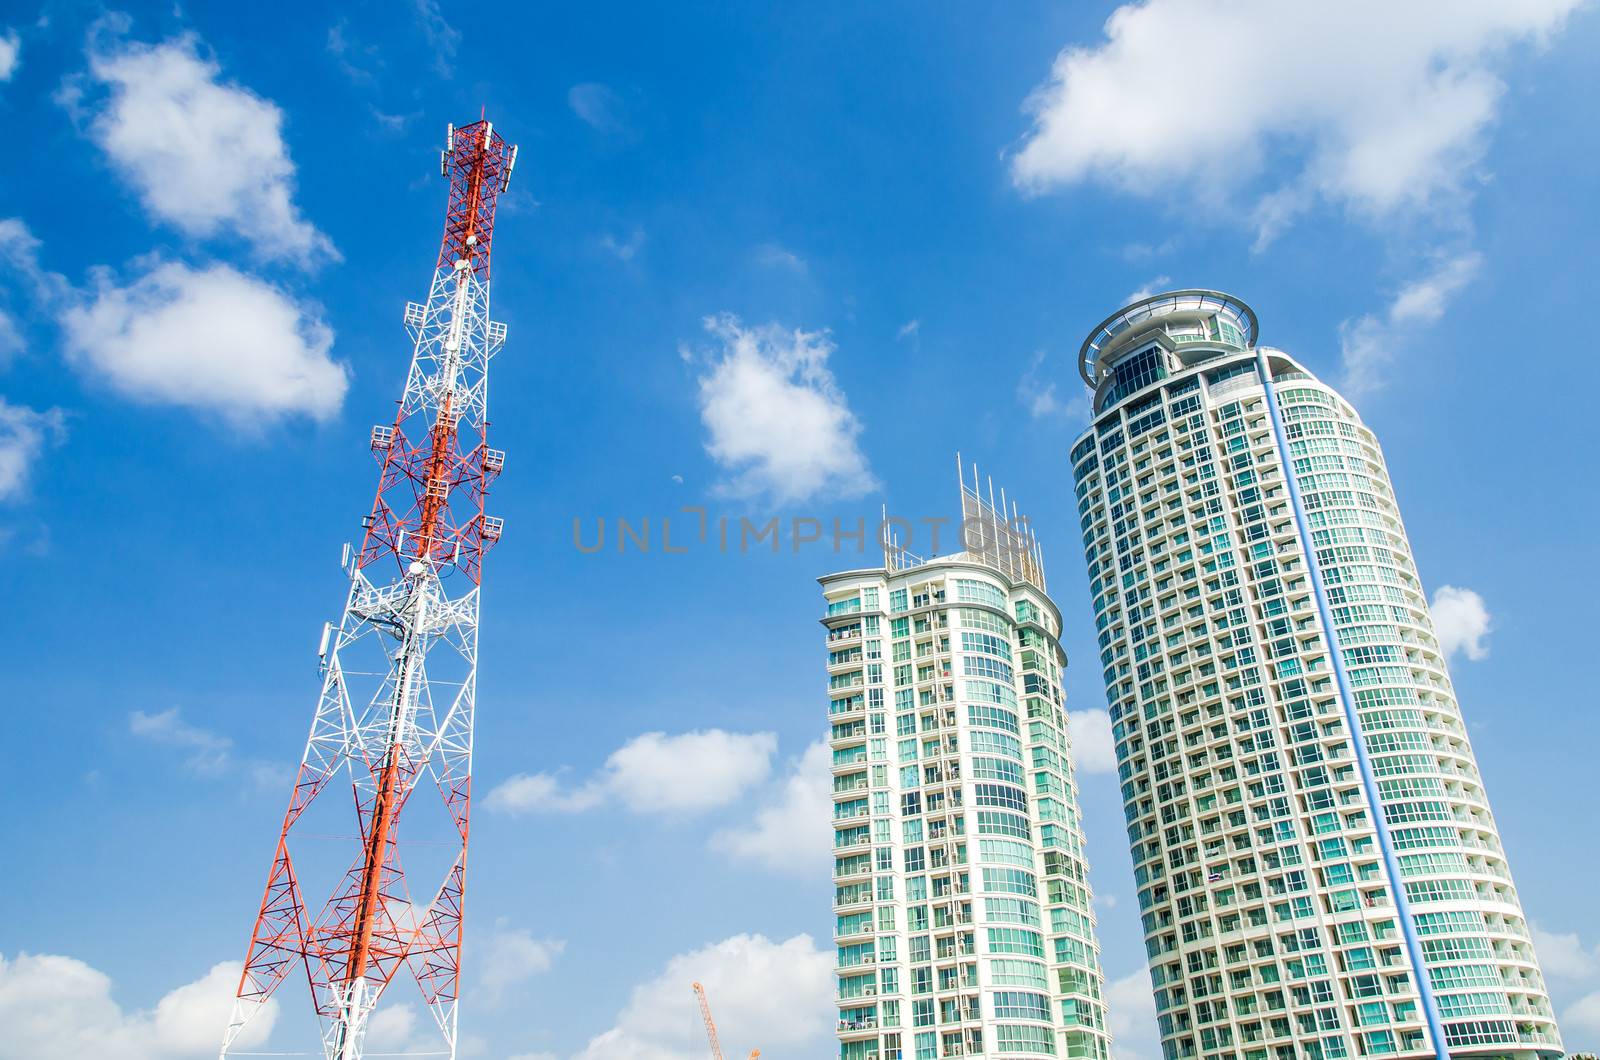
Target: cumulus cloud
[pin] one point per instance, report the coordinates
(1370, 343)
(204, 155)
(513, 956)
(209, 338)
(1377, 122)
(1304, 104)
(206, 753)
(1093, 748)
(653, 773)
(1461, 621)
(791, 833)
(59, 1008)
(778, 995)
(779, 424)
(10, 54)
(25, 434)
(1131, 1016)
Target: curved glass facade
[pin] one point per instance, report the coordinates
(964, 925)
(1270, 914)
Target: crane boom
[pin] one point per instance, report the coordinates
(711, 1025)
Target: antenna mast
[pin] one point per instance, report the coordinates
(393, 720)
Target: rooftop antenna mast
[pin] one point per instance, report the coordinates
(394, 718)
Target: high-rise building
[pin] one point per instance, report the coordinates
(1307, 821)
(964, 921)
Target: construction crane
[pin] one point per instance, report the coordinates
(711, 1026)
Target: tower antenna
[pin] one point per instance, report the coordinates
(394, 718)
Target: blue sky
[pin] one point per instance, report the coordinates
(768, 263)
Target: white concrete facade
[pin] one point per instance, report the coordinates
(1275, 923)
(964, 919)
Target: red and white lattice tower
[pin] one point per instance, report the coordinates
(399, 672)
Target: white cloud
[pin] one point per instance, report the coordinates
(11, 341)
(596, 105)
(24, 435)
(59, 1008)
(205, 156)
(513, 956)
(1461, 621)
(1093, 748)
(1137, 252)
(210, 753)
(211, 338)
(188, 1021)
(10, 54)
(351, 55)
(694, 771)
(394, 123)
(1041, 398)
(1392, 127)
(1369, 344)
(909, 330)
(541, 793)
(623, 249)
(1152, 286)
(1131, 1016)
(19, 253)
(1423, 301)
(1565, 956)
(441, 36)
(779, 423)
(390, 1029)
(775, 256)
(1583, 1015)
(776, 995)
(207, 754)
(791, 833)
(1379, 122)
(653, 773)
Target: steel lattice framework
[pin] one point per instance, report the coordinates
(399, 672)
